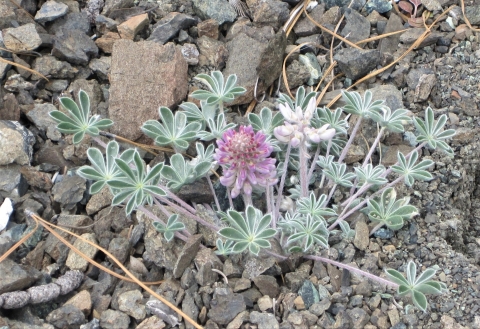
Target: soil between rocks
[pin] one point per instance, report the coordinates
(209, 35)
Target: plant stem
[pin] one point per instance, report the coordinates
(373, 147)
(213, 192)
(155, 218)
(376, 228)
(282, 183)
(314, 163)
(247, 199)
(229, 195)
(303, 169)
(174, 197)
(350, 140)
(99, 142)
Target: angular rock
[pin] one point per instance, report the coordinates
(23, 73)
(4, 67)
(12, 183)
(152, 323)
(67, 316)
(99, 201)
(7, 14)
(16, 277)
(169, 26)
(40, 117)
(267, 285)
(16, 143)
(101, 67)
(57, 86)
(130, 28)
(390, 44)
(37, 178)
(75, 47)
(144, 76)
(357, 27)
(390, 94)
(93, 90)
(305, 26)
(119, 248)
(74, 260)
(51, 154)
(105, 24)
(208, 28)
(187, 255)
(69, 191)
(72, 21)
(356, 63)
(473, 14)
(219, 10)
(205, 261)
(16, 84)
(424, 87)
(412, 35)
(22, 38)
(246, 56)
(111, 319)
(362, 233)
(82, 301)
(106, 42)
(309, 294)
(270, 13)
(50, 11)
(212, 52)
(190, 53)
(50, 66)
(380, 6)
(189, 308)
(130, 302)
(111, 5)
(264, 320)
(225, 305)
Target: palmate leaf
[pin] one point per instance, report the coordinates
(392, 121)
(182, 172)
(337, 173)
(136, 185)
(173, 225)
(370, 175)
(361, 106)
(416, 287)
(173, 131)
(251, 231)
(308, 232)
(217, 128)
(432, 132)
(313, 207)
(194, 114)
(301, 99)
(333, 118)
(220, 91)
(389, 211)
(412, 171)
(224, 249)
(265, 121)
(78, 121)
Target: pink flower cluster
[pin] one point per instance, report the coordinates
(244, 157)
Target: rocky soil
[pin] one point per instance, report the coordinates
(132, 57)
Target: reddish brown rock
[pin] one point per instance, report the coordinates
(130, 28)
(208, 28)
(144, 76)
(105, 43)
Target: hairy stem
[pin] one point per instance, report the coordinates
(155, 218)
(314, 163)
(282, 183)
(350, 140)
(213, 192)
(373, 147)
(303, 169)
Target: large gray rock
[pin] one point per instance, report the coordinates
(49, 65)
(390, 44)
(16, 277)
(225, 305)
(69, 191)
(356, 63)
(67, 316)
(72, 21)
(169, 26)
(15, 143)
(39, 116)
(75, 47)
(357, 27)
(255, 54)
(12, 183)
(473, 14)
(50, 11)
(111, 5)
(7, 14)
(22, 38)
(219, 10)
(270, 13)
(144, 76)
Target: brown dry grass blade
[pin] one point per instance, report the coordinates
(462, 3)
(23, 68)
(48, 226)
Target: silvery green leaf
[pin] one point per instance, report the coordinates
(173, 225)
(301, 99)
(431, 131)
(361, 106)
(78, 121)
(393, 122)
(224, 249)
(219, 90)
(333, 118)
(266, 121)
(412, 171)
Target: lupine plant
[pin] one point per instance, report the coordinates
(300, 146)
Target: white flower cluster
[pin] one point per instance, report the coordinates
(297, 126)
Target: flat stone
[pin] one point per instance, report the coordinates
(130, 302)
(144, 76)
(82, 301)
(390, 44)
(75, 47)
(218, 10)
(22, 38)
(49, 65)
(7, 14)
(111, 319)
(169, 26)
(69, 191)
(225, 306)
(264, 320)
(212, 52)
(305, 26)
(36, 178)
(15, 276)
(50, 11)
(119, 248)
(357, 27)
(72, 21)
(473, 14)
(412, 35)
(66, 316)
(75, 261)
(111, 5)
(267, 285)
(16, 143)
(208, 28)
(188, 253)
(309, 294)
(106, 42)
(362, 232)
(152, 322)
(130, 28)
(101, 67)
(357, 63)
(105, 24)
(424, 87)
(42, 120)
(270, 13)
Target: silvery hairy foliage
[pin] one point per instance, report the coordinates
(281, 157)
